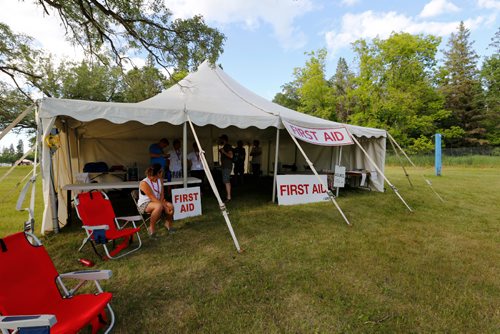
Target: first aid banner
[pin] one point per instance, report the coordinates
(299, 189)
(326, 137)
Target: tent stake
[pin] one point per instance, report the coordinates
(325, 186)
(222, 206)
(378, 170)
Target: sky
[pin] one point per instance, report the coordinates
(267, 39)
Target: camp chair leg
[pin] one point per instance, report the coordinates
(85, 240)
(112, 317)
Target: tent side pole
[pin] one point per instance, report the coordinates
(404, 153)
(276, 156)
(16, 121)
(429, 183)
(325, 186)
(400, 162)
(378, 170)
(222, 206)
(184, 154)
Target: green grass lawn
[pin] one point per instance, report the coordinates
(304, 270)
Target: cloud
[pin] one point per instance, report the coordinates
(489, 4)
(279, 14)
(369, 24)
(438, 7)
(349, 2)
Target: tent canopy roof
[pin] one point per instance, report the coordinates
(208, 96)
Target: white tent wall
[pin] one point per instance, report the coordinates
(325, 157)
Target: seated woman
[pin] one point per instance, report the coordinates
(151, 198)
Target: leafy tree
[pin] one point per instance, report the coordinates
(142, 83)
(309, 92)
(120, 27)
(8, 155)
(19, 149)
(89, 82)
(18, 59)
(460, 85)
(314, 91)
(288, 97)
(395, 89)
(12, 101)
(343, 87)
(490, 77)
(108, 31)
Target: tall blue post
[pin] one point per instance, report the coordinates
(437, 150)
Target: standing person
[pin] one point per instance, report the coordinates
(226, 154)
(239, 154)
(152, 199)
(175, 157)
(157, 154)
(256, 154)
(195, 164)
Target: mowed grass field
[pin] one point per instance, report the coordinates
(303, 269)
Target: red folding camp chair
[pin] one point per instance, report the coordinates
(34, 299)
(102, 226)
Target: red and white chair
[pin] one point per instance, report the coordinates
(102, 226)
(34, 299)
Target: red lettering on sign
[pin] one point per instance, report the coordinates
(328, 138)
(187, 207)
(339, 136)
(318, 189)
(181, 198)
(294, 189)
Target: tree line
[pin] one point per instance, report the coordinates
(400, 85)
(397, 84)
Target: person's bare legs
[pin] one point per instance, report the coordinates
(168, 208)
(154, 209)
(228, 190)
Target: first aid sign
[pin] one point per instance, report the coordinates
(187, 202)
(299, 189)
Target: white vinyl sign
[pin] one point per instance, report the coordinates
(187, 202)
(339, 177)
(326, 137)
(298, 189)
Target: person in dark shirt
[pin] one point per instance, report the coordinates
(239, 154)
(226, 154)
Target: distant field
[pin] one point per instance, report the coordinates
(304, 270)
(447, 161)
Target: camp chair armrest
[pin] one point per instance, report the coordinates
(96, 227)
(25, 321)
(88, 275)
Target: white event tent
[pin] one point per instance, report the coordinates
(120, 133)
